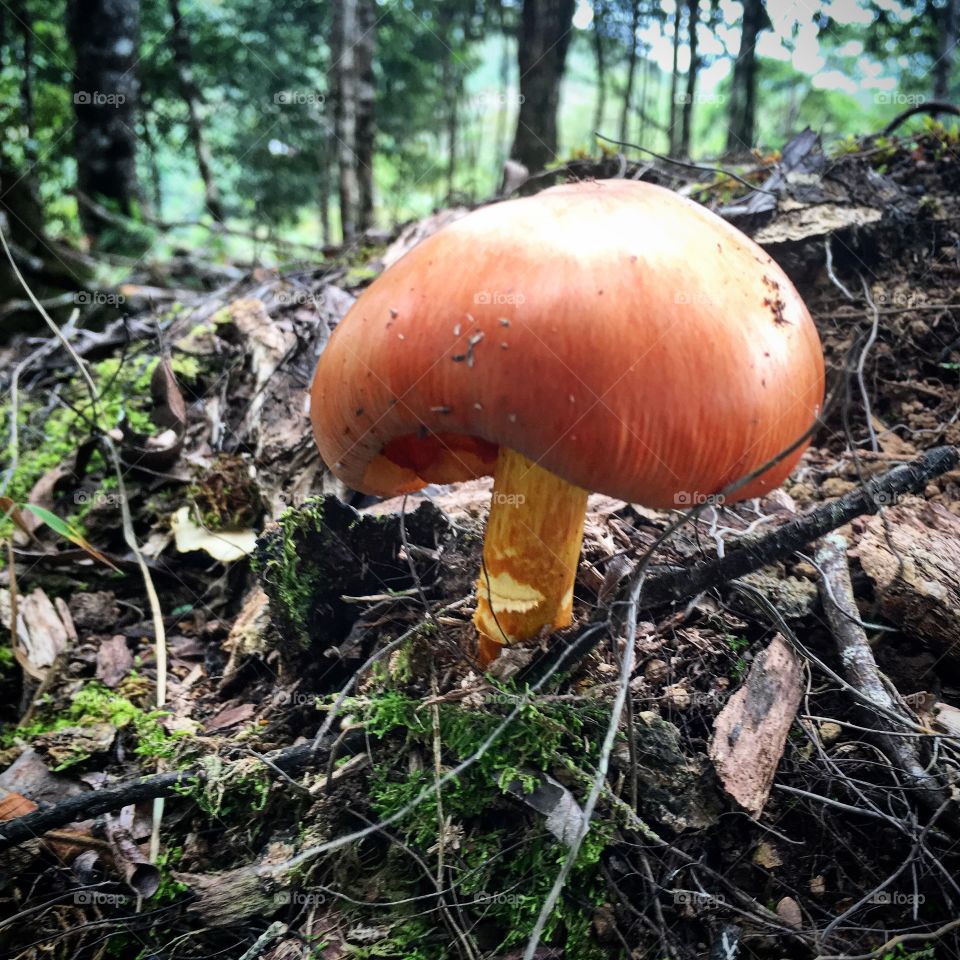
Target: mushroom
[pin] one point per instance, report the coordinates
(604, 336)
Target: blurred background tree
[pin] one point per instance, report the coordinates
(132, 130)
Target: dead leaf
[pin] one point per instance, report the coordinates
(229, 716)
(114, 661)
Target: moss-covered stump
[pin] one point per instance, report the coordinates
(317, 554)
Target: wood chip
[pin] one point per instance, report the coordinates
(751, 730)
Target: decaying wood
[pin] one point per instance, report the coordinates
(751, 730)
(860, 667)
(914, 562)
(86, 805)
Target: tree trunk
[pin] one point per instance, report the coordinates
(500, 136)
(743, 87)
(600, 60)
(693, 17)
(183, 58)
(631, 69)
(366, 111)
(351, 84)
(25, 25)
(104, 36)
(946, 51)
(675, 79)
(543, 40)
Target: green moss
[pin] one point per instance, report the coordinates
(95, 703)
(49, 434)
(294, 581)
(506, 866)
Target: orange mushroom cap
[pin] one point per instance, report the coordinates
(622, 337)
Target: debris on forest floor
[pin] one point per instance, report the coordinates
(785, 772)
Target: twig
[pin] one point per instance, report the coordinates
(860, 667)
(689, 166)
(890, 946)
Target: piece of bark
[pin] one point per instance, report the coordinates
(914, 562)
(114, 661)
(751, 730)
(861, 671)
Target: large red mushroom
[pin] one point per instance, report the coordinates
(605, 336)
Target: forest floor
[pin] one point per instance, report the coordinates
(784, 776)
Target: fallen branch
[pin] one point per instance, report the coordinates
(932, 107)
(861, 668)
(678, 583)
(83, 806)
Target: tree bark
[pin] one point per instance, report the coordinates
(500, 137)
(631, 69)
(599, 55)
(946, 51)
(544, 37)
(743, 87)
(192, 97)
(351, 84)
(105, 36)
(366, 111)
(686, 123)
(675, 79)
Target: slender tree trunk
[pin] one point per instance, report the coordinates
(500, 136)
(693, 17)
(366, 111)
(25, 24)
(450, 83)
(743, 87)
(105, 35)
(343, 85)
(631, 69)
(644, 86)
(675, 79)
(599, 55)
(156, 188)
(946, 51)
(541, 55)
(192, 97)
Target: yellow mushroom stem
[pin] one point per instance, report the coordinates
(530, 554)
